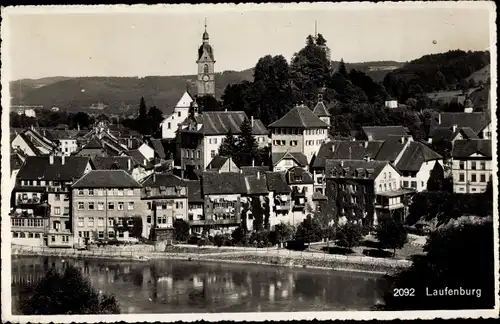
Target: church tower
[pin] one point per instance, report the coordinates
(206, 62)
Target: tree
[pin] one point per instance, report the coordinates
(181, 230)
(342, 70)
(229, 145)
(67, 293)
(283, 232)
(310, 40)
(436, 178)
(257, 214)
(142, 110)
(153, 120)
(247, 145)
(309, 231)
(320, 40)
(208, 103)
(391, 234)
(238, 235)
(81, 119)
(458, 257)
(136, 230)
(349, 235)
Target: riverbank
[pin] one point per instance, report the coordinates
(273, 257)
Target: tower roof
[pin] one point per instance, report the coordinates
(185, 101)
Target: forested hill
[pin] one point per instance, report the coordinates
(436, 72)
(376, 70)
(118, 94)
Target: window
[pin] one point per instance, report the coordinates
(385, 187)
(178, 114)
(100, 205)
(100, 221)
(390, 186)
(111, 221)
(90, 223)
(379, 187)
(15, 234)
(473, 189)
(150, 205)
(473, 177)
(198, 154)
(120, 234)
(293, 143)
(212, 153)
(80, 221)
(80, 192)
(473, 165)
(101, 234)
(390, 175)
(483, 165)
(461, 177)
(414, 184)
(120, 205)
(57, 197)
(91, 192)
(385, 175)
(482, 178)
(65, 239)
(421, 183)
(57, 210)
(131, 205)
(37, 235)
(91, 205)
(130, 192)
(205, 69)
(461, 165)
(120, 192)
(148, 219)
(100, 192)
(168, 125)
(111, 205)
(52, 238)
(179, 205)
(110, 192)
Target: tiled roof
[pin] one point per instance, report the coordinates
(214, 183)
(140, 159)
(194, 191)
(465, 148)
(94, 143)
(390, 150)
(299, 117)
(276, 182)
(297, 175)
(318, 196)
(106, 179)
(385, 132)
(220, 122)
(163, 179)
(15, 162)
(39, 168)
(299, 157)
(185, 100)
(468, 133)
(217, 162)
(447, 133)
(158, 146)
(415, 155)
(256, 184)
(348, 150)
(113, 163)
(252, 170)
(208, 49)
(354, 168)
(320, 110)
(30, 144)
(476, 121)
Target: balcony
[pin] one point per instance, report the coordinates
(28, 201)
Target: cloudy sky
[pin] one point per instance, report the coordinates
(141, 41)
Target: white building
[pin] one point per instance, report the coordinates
(171, 123)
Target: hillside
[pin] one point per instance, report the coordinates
(376, 70)
(481, 76)
(118, 94)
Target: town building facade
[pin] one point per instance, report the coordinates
(471, 165)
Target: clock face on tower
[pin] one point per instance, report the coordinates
(205, 78)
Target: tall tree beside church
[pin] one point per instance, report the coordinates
(247, 143)
(320, 40)
(342, 69)
(141, 119)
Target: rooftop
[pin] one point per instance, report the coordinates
(40, 168)
(106, 179)
(299, 117)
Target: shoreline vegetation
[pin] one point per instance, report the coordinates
(268, 257)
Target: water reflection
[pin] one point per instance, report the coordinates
(170, 286)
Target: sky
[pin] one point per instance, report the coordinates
(143, 41)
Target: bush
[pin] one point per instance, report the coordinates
(218, 240)
(296, 245)
(349, 235)
(391, 234)
(259, 239)
(181, 230)
(238, 235)
(193, 239)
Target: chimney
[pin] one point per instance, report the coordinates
(78, 126)
(129, 163)
(333, 148)
(251, 120)
(439, 118)
(51, 159)
(454, 128)
(241, 171)
(145, 162)
(258, 174)
(366, 144)
(225, 109)
(63, 159)
(154, 177)
(253, 162)
(342, 163)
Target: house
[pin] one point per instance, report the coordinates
(106, 205)
(299, 131)
(416, 164)
(41, 206)
(382, 133)
(166, 199)
(451, 134)
(321, 111)
(286, 160)
(257, 195)
(171, 123)
(196, 216)
(32, 143)
(280, 199)
(301, 183)
(92, 148)
(472, 165)
(16, 162)
(365, 191)
(200, 136)
(142, 166)
(64, 139)
(222, 164)
(147, 151)
(222, 193)
(478, 122)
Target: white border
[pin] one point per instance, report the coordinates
(211, 317)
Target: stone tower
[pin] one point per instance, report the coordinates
(206, 62)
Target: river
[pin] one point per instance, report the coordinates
(173, 286)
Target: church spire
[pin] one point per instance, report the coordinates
(205, 34)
